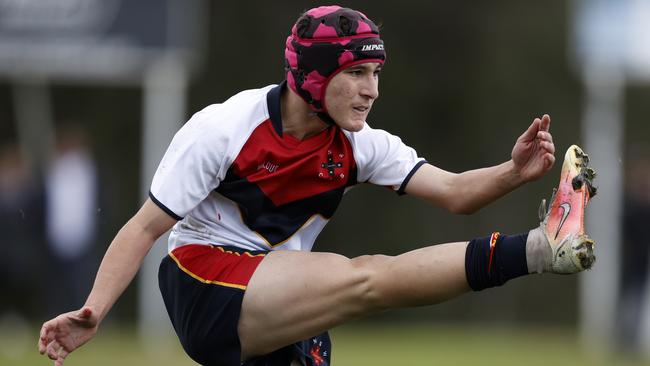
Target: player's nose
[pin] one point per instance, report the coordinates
(370, 87)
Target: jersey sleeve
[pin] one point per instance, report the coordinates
(383, 159)
(192, 166)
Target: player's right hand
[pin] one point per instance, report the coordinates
(67, 332)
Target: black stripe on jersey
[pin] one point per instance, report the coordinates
(278, 223)
(402, 187)
(164, 208)
(273, 102)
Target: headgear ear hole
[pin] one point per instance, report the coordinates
(344, 24)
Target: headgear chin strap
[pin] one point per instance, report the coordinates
(326, 118)
(324, 41)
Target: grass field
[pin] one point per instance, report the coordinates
(353, 345)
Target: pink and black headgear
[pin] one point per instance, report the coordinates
(323, 42)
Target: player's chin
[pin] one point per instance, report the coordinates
(353, 124)
(351, 128)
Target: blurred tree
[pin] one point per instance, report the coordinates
(462, 81)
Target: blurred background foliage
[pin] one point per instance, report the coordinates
(463, 80)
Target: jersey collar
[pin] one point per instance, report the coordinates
(273, 103)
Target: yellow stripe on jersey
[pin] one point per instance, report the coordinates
(233, 285)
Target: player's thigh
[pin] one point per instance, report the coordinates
(294, 295)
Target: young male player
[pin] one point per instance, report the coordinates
(248, 184)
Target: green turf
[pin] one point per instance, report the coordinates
(452, 346)
(356, 345)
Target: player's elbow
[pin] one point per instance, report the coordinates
(461, 208)
(454, 197)
(458, 205)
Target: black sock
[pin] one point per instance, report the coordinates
(489, 266)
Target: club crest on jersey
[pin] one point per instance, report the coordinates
(268, 166)
(329, 167)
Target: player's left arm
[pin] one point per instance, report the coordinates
(464, 193)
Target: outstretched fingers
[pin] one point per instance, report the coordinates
(543, 135)
(46, 336)
(545, 140)
(62, 355)
(52, 350)
(534, 151)
(531, 132)
(56, 352)
(538, 129)
(549, 160)
(545, 123)
(42, 340)
(67, 332)
(548, 146)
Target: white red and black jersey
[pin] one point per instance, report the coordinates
(233, 178)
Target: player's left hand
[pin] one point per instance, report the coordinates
(533, 154)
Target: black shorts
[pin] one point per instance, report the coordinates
(203, 288)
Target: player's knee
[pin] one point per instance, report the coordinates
(371, 289)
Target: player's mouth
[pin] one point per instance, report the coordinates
(361, 109)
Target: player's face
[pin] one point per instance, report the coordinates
(350, 94)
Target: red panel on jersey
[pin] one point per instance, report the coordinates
(211, 264)
(318, 164)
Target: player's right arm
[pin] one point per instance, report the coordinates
(69, 331)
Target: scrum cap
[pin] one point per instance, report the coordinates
(324, 41)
